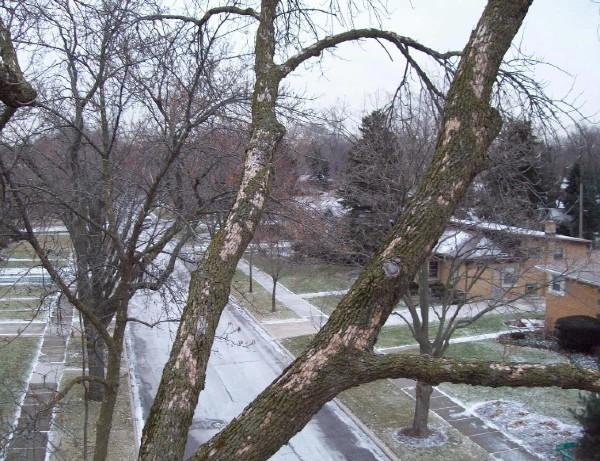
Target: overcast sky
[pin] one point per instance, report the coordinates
(562, 32)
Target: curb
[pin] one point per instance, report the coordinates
(362, 426)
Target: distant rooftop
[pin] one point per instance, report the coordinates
(496, 227)
(466, 245)
(584, 271)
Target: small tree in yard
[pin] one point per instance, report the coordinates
(441, 307)
(269, 245)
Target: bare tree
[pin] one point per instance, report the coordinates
(109, 148)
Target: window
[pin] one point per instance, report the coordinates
(558, 252)
(433, 268)
(534, 252)
(557, 285)
(531, 289)
(509, 277)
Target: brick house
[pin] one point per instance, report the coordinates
(489, 260)
(572, 289)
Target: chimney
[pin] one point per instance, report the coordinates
(550, 227)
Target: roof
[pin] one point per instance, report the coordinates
(496, 227)
(585, 272)
(466, 245)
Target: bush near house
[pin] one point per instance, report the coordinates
(578, 332)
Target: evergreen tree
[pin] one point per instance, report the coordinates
(589, 418)
(591, 200)
(520, 182)
(382, 168)
(318, 164)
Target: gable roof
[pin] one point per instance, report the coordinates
(587, 272)
(520, 231)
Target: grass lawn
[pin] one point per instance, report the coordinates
(57, 245)
(16, 358)
(69, 421)
(310, 276)
(23, 291)
(399, 335)
(384, 408)
(12, 264)
(259, 301)
(22, 315)
(547, 401)
(326, 303)
(32, 304)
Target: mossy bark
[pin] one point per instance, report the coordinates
(15, 91)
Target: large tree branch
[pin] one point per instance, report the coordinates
(326, 368)
(477, 373)
(401, 42)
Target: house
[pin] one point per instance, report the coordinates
(490, 261)
(572, 289)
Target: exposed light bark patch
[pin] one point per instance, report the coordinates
(451, 127)
(232, 241)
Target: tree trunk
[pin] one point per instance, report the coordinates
(273, 298)
(422, 400)
(113, 372)
(165, 432)
(95, 350)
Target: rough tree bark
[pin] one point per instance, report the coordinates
(341, 354)
(15, 90)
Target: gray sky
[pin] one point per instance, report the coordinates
(562, 32)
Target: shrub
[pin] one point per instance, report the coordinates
(589, 446)
(578, 332)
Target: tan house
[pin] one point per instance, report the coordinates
(490, 261)
(572, 289)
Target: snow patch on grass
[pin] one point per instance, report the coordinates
(437, 438)
(537, 432)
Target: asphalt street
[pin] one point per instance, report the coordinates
(244, 361)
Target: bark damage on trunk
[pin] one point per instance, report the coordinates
(341, 355)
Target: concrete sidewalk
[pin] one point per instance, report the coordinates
(31, 435)
(305, 310)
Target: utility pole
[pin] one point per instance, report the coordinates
(580, 206)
